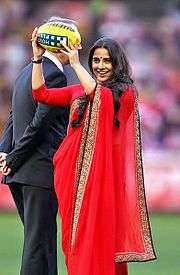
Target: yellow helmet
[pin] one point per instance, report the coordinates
(53, 35)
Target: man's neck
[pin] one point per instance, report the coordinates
(54, 58)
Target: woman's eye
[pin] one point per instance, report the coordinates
(107, 61)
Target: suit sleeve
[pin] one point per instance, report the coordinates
(26, 145)
(7, 136)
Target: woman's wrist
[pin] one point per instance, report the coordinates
(36, 60)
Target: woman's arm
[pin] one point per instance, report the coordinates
(88, 83)
(37, 72)
(85, 78)
(55, 96)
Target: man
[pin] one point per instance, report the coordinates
(32, 135)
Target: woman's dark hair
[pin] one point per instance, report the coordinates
(121, 78)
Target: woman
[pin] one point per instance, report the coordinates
(98, 167)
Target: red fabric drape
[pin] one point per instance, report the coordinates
(100, 189)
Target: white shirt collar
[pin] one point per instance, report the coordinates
(53, 59)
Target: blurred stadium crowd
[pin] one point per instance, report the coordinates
(152, 43)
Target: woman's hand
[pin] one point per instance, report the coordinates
(37, 49)
(85, 78)
(73, 55)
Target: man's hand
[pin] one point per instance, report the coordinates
(4, 169)
(2, 156)
(2, 159)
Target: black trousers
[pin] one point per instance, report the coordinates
(37, 208)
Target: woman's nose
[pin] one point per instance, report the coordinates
(101, 64)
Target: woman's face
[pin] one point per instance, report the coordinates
(102, 65)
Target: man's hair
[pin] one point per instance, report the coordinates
(59, 19)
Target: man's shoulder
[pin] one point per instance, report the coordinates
(24, 73)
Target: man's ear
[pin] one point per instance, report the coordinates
(62, 58)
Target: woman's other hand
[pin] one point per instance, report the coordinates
(85, 78)
(37, 49)
(73, 55)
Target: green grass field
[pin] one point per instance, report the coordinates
(166, 232)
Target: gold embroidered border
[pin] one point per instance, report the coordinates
(85, 158)
(78, 174)
(149, 251)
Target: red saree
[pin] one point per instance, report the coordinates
(99, 185)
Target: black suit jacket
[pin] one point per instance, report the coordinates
(34, 131)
